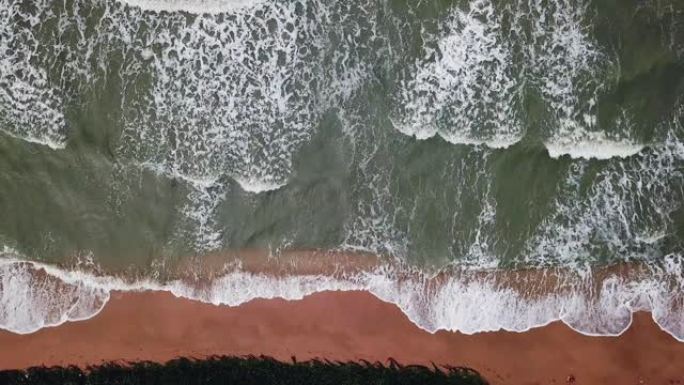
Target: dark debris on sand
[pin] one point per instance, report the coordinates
(244, 370)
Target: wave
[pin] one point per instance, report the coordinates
(600, 302)
(469, 85)
(235, 95)
(192, 6)
(594, 148)
(30, 107)
(425, 133)
(52, 140)
(258, 186)
(465, 88)
(566, 66)
(234, 91)
(239, 96)
(627, 213)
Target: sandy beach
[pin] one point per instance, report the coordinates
(344, 326)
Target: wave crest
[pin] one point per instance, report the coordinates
(594, 147)
(192, 6)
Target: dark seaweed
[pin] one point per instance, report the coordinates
(244, 370)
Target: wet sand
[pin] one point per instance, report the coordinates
(344, 326)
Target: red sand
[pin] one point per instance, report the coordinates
(344, 326)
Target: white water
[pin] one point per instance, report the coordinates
(594, 146)
(464, 90)
(625, 212)
(33, 296)
(226, 110)
(30, 108)
(566, 66)
(257, 186)
(192, 6)
(235, 86)
(233, 92)
(237, 97)
(467, 90)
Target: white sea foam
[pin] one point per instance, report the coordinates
(257, 186)
(33, 296)
(192, 6)
(200, 208)
(224, 92)
(30, 108)
(624, 212)
(594, 147)
(568, 68)
(579, 141)
(372, 227)
(236, 95)
(233, 92)
(466, 89)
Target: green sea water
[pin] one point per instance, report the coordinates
(482, 134)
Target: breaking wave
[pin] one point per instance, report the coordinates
(465, 89)
(626, 214)
(34, 296)
(476, 70)
(30, 107)
(212, 90)
(192, 6)
(595, 146)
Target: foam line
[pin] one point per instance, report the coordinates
(192, 6)
(34, 295)
(257, 186)
(594, 149)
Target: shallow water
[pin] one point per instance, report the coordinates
(140, 136)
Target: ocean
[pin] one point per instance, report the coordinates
(482, 164)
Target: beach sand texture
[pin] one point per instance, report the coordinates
(344, 326)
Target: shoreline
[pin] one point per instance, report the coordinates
(599, 302)
(342, 326)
